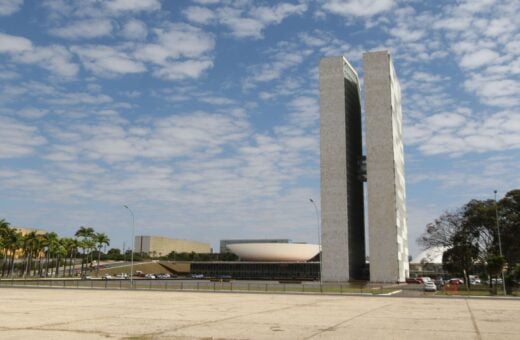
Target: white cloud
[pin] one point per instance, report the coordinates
(8, 7)
(54, 58)
(78, 98)
(275, 14)
(106, 60)
(133, 5)
(14, 44)
(247, 21)
(32, 113)
(183, 69)
(174, 42)
(84, 29)
(199, 15)
(207, 2)
(478, 58)
(18, 139)
(135, 29)
(355, 8)
(456, 134)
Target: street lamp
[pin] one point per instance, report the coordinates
(499, 241)
(319, 231)
(133, 246)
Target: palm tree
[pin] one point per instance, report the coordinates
(85, 233)
(60, 251)
(72, 246)
(29, 244)
(14, 240)
(4, 242)
(101, 240)
(52, 242)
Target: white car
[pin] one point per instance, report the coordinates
(430, 286)
(150, 276)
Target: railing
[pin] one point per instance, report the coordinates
(202, 285)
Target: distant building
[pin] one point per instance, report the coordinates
(428, 261)
(224, 243)
(161, 246)
(24, 231)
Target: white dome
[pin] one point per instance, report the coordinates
(275, 252)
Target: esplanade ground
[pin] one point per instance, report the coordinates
(92, 314)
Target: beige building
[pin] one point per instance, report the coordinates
(162, 246)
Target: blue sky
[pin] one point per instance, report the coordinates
(203, 115)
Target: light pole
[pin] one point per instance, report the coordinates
(499, 242)
(133, 246)
(319, 230)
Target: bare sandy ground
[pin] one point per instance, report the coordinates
(94, 314)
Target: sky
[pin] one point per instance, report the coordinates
(203, 116)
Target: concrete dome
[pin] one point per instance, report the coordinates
(275, 252)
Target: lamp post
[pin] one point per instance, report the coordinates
(319, 230)
(133, 248)
(499, 242)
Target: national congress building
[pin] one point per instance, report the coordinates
(344, 168)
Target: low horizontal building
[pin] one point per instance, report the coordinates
(162, 246)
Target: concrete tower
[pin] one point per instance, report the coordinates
(387, 228)
(342, 207)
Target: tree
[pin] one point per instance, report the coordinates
(471, 235)
(101, 239)
(4, 242)
(86, 234)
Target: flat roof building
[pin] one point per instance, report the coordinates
(162, 246)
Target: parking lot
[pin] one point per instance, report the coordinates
(92, 314)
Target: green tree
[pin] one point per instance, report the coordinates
(495, 265)
(101, 240)
(4, 242)
(471, 235)
(86, 234)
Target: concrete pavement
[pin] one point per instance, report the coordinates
(94, 314)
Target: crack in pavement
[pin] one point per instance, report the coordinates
(232, 317)
(333, 327)
(479, 336)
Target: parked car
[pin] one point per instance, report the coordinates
(429, 286)
(197, 276)
(475, 281)
(122, 276)
(162, 276)
(439, 282)
(150, 276)
(107, 277)
(456, 281)
(425, 279)
(413, 280)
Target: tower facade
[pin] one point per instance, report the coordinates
(342, 203)
(387, 228)
(343, 170)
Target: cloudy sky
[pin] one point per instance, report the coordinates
(203, 115)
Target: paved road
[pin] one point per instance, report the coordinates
(94, 314)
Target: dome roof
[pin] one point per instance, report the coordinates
(275, 252)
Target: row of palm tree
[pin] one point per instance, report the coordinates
(44, 254)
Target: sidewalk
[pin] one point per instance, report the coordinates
(93, 314)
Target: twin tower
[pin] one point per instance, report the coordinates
(344, 169)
